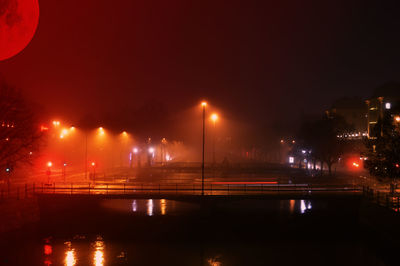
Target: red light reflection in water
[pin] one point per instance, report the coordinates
(48, 249)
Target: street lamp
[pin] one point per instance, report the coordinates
(94, 171)
(203, 105)
(64, 171)
(48, 172)
(214, 118)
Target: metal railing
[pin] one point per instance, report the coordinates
(387, 199)
(132, 188)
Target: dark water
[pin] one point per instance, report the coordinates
(215, 232)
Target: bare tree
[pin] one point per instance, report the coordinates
(20, 135)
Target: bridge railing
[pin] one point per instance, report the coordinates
(16, 192)
(384, 198)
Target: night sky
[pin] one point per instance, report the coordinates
(260, 62)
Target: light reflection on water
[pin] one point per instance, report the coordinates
(98, 257)
(134, 206)
(305, 205)
(150, 207)
(163, 203)
(163, 207)
(70, 258)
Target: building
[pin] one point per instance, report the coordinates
(385, 100)
(354, 111)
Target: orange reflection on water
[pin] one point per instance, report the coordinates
(98, 258)
(163, 203)
(291, 208)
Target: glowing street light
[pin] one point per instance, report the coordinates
(203, 105)
(214, 118)
(93, 164)
(101, 131)
(135, 150)
(48, 172)
(397, 118)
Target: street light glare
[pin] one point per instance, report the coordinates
(214, 117)
(151, 150)
(204, 104)
(135, 150)
(49, 164)
(101, 131)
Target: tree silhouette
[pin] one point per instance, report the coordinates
(383, 152)
(320, 137)
(19, 133)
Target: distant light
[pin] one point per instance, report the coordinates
(356, 165)
(388, 106)
(101, 131)
(49, 164)
(167, 157)
(93, 163)
(124, 133)
(282, 141)
(7, 169)
(72, 128)
(56, 123)
(303, 152)
(151, 150)
(204, 104)
(214, 117)
(43, 128)
(293, 141)
(397, 118)
(135, 150)
(291, 159)
(65, 164)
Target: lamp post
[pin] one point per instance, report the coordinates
(48, 172)
(203, 104)
(214, 118)
(64, 171)
(94, 172)
(86, 155)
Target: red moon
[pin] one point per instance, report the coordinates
(18, 23)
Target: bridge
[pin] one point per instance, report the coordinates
(178, 190)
